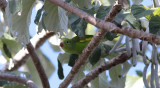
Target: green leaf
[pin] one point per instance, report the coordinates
(154, 25)
(73, 58)
(38, 15)
(19, 23)
(82, 3)
(100, 81)
(107, 48)
(78, 25)
(156, 12)
(120, 17)
(55, 20)
(15, 6)
(110, 36)
(6, 51)
(14, 85)
(60, 70)
(95, 56)
(108, 2)
(140, 11)
(133, 22)
(2, 83)
(134, 81)
(68, 1)
(116, 79)
(103, 11)
(139, 73)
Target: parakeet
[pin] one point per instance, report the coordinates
(76, 44)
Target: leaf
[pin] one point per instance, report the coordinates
(140, 11)
(154, 25)
(110, 36)
(38, 15)
(108, 2)
(133, 22)
(78, 25)
(102, 12)
(82, 3)
(19, 23)
(60, 70)
(139, 73)
(120, 17)
(14, 85)
(100, 81)
(2, 83)
(55, 19)
(47, 65)
(9, 46)
(15, 6)
(6, 51)
(95, 56)
(63, 57)
(116, 79)
(134, 81)
(72, 60)
(156, 12)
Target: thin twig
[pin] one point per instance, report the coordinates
(91, 46)
(103, 67)
(18, 79)
(3, 4)
(108, 26)
(22, 56)
(38, 66)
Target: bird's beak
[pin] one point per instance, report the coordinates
(61, 44)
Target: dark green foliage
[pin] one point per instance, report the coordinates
(95, 56)
(154, 25)
(60, 70)
(73, 58)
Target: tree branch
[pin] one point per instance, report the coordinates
(101, 68)
(38, 66)
(18, 79)
(22, 56)
(3, 4)
(90, 47)
(108, 26)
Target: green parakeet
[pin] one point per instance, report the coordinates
(76, 44)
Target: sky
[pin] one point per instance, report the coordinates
(52, 55)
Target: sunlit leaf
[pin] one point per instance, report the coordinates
(19, 22)
(134, 81)
(116, 79)
(55, 19)
(108, 2)
(140, 11)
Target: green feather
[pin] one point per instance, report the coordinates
(76, 44)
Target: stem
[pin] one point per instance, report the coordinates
(18, 79)
(108, 26)
(38, 66)
(103, 67)
(22, 56)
